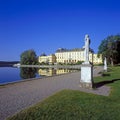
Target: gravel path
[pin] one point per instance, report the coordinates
(15, 97)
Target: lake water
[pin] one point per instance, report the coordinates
(11, 74)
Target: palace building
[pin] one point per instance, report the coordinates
(50, 59)
(70, 56)
(76, 55)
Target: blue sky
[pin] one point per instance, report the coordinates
(46, 25)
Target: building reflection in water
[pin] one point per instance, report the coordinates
(46, 72)
(26, 72)
(52, 72)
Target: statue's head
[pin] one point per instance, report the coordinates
(86, 36)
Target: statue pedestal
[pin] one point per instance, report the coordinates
(86, 80)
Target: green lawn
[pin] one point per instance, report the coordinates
(76, 105)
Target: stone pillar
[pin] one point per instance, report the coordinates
(86, 80)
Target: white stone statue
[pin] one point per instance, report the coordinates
(86, 79)
(105, 64)
(86, 52)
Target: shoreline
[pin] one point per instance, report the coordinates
(19, 79)
(31, 79)
(53, 66)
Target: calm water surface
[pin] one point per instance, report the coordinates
(11, 74)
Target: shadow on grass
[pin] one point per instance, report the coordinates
(105, 74)
(102, 83)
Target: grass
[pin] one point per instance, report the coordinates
(76, 105)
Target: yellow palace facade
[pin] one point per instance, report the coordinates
(51, 59)
(70, 56)
(75, 55)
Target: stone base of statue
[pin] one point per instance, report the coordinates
(86, 80)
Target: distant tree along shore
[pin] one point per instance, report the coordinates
(8, 63)
(28, 57)
(110, 48)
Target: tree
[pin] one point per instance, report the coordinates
(28, 57)
(110, 48)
